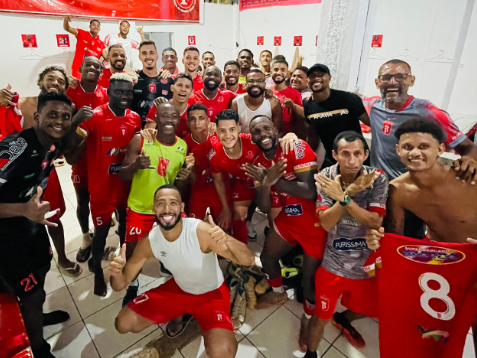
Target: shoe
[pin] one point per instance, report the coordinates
(131, 294)
(252, 234)
(83, 254)
(271, 298)
(74, 271)
(351, 334)
(235, 283)
(262, 286)
(249, 287)
(238, 310)
(255, 271)
(55, 317)
(43, 352)
(289, 272)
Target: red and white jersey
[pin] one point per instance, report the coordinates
(300, 159)
(10, 121)
(81, 98)
(86, 45)
(182, 130)
(198, 83)
(295, 96)
(220, 161)
(221, 101)
(127, 43)
(204, 186)
(107, 139)
(427, 297)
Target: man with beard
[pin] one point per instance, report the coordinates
(150, 83)
(169, 59)
(181, 89)
(299, 81)
(254, 103)
(329, 112)
(87, 94)
(265, 59)
(287, 182)
(210, 96)
(26, 161)
(231, 77)
(107, 134)
(208, 59)
(123, 40)
(117, 59)
(245, 60)
(88, 44)
(188, 248)
(191, 62)
(290, 98)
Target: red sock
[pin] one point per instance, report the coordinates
(308, 307)
(275, 282)
(240, 231)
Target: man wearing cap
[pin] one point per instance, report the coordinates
(329, 112)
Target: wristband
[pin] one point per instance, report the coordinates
(346, 200)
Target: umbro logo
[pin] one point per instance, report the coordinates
(163, 253)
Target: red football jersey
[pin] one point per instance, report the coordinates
(220, 161)
(301, 158)
(427, 298)
(182, 130)
(103, 80)
(221, 101)
(86, 45)
(107, 139)
(198, 83)
(295, 96)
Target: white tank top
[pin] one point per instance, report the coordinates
(194, 272)
(246, 114)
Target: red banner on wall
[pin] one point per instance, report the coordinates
(157, 10)
(252, 4)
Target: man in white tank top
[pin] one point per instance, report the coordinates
(188, 248)
(253, 103)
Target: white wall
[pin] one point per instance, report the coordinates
(284, 21)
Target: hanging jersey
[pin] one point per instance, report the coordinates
(427, 297)
(167, 160)
(221, 101)
(193, 271)
(246, 114)
(107, 139)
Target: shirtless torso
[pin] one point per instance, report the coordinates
(28, 107)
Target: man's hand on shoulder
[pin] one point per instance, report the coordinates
(466, 169)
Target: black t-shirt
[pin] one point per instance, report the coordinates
(146, 90)
(24, 165)
(338, 113)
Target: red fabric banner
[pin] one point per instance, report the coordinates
(252, 4)
(157, 10)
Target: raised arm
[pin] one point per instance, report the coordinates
(67, 27)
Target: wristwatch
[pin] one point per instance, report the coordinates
(346, 200)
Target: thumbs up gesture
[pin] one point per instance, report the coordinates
(215, 232)
(143, 161)
(117, 265)
(36, 210)
(6, 96)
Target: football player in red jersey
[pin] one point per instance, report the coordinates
(231, 78)
(210, 96)
(429, 190)
(117, 59)
(191, 61)
(107, 134)
(289, 176)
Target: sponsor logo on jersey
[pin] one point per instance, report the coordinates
(114, 168)
(104, 139)
(164, 81)
(15, 149)
(152, 87)
(299, 150)
(431, 255)
(294, 210)
(113, 152)
(387, 126)
(165, 92)
(344, 244)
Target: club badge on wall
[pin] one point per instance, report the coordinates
(377, 41)
(63, 40)
(192, 41)
(29, 40)
(260, 40)
(297, 40)
(277, 41)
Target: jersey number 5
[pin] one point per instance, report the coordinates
(440, 294)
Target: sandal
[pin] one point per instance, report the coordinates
(83, 254)
(186, 318)
(74, 271)
(109, 253)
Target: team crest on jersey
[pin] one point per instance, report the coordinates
(165, 92)
(249, 155)
(15, 149)
(162, 167)
(387, 126)
(294, 210)
(220, 99)
(152, 87)
(431, 255)
(211, 112)
(325, 303)
(164, 81)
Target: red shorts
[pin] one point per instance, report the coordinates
(138, 225)
(54, 195)
(359, 296)
(79, 174)
(241, 193)
(102, 211)
(163, 303)
(301, 231)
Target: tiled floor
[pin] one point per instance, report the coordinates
(270, 333)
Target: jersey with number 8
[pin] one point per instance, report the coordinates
(427, 299)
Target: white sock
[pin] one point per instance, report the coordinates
(278, 289)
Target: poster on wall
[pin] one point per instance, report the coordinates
(29, 40)
(172, 10)
(191, 40)
(297, 40)
(316, 40)
(277, 41)
(252, 4)
(260, 40)
(377, 41)
(63, 40)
